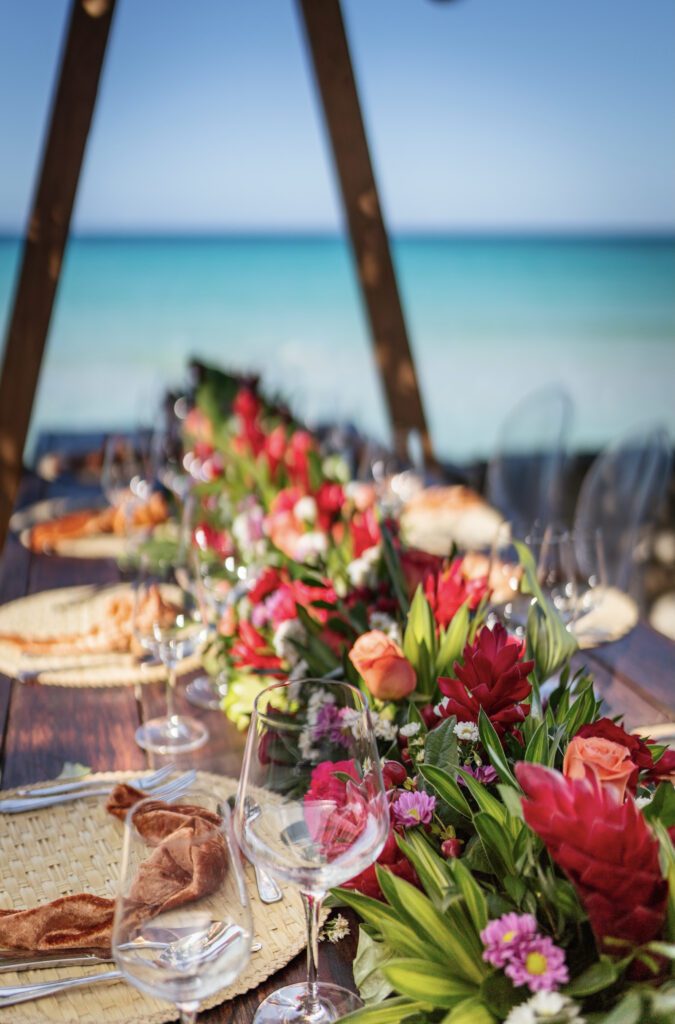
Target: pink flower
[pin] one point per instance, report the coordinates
(503, 937)
(539, 964)
(484, 773)
(414, 809)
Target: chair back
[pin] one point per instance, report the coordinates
(526, 477)
(620, 495)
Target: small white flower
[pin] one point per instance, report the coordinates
(299, 671)
(409, 730)
(305, 509)
(387, 625)
(360, 573)
(521, 1015)
(548, 1004)
(383, 728)
(466, 731)
(311, 546)
(286, 633)
(335, 928)
(372, 555)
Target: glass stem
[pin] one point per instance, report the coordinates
(171, 689)
(312, 904)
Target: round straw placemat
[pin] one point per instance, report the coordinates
(76, 847)
(68, 612)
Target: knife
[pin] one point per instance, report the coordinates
(13, 961)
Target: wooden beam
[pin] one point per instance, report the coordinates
(42, 256)
(329, 48)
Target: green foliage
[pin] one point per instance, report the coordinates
(548, 641)
(440, 746)
(419, 645)
(452, 641)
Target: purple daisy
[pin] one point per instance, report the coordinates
(414, 809)
(539, 964)
(505, 936)
(484, 773)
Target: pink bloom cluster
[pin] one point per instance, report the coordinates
(414, 809)
(512, 942)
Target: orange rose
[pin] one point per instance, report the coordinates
(610, 762)
(385, 669)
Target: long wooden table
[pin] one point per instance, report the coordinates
(45, 726)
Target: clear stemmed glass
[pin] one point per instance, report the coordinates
(556, 571)
(170, 622)
(311, 810)
(182, 951)
(217, 570)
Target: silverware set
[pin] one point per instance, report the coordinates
(31, 798)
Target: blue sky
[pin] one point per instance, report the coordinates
(482, 114)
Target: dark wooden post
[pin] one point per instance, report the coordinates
(72, 109)
(335, 77)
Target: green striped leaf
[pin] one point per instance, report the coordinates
(418, 979)
(537, 749)
(453, 640)
(496, 842)
(392, 1011)
(485, 800)
(473, 894)
(431, 868)
(419, 912)
(492, 744)
(469, 1011)
(447, 789)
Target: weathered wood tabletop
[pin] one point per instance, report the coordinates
(45, 726)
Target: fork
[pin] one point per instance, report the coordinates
(77, 786)
(170, 789)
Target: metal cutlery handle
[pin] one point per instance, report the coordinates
(81, 785)
(268, 890)
(10, 995)
(14, 805)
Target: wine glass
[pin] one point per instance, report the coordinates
(213, 554)
(509, 604)
(170, 623)
(177, 937)
(553, 551)
(311, 810)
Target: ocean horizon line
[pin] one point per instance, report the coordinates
(609, 235)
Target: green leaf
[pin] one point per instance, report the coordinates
(486, 801)
(492, 744)
(419, 912)
(420, 980)
(469, 1011)
(431, 868)
(421, 619)
(473, 895)
(370, 958)
(447, 789)
(499, 995)
(512, 801)
(440, 746)
(496, 842)
(662, 806)
(548, 640)
(628, 1011)
(392, 1011)
(599, 975)
(393, 567)
(453, 640)
(537, 749)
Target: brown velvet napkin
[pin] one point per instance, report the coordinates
(189, 860)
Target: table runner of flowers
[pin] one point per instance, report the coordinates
(529, 873)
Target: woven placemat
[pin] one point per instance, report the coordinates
(67, 612)
(97, 545)
(76, 848)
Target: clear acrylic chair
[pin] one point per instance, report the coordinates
(620, 496)
(526, 477)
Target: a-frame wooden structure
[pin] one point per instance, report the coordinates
(47, 235)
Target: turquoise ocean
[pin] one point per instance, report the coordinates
(490, 319)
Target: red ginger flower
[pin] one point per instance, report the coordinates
(448, 590)
(605, 848)
(493, 677)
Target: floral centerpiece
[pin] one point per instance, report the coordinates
(529, 873)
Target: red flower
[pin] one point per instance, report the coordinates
(605, 848)
(336, 812)
(393, 860)
(250, 650)
(208, 538)
(299, 446)
(417, 566)
(447, 591)
(329, 501)
(246, 405)
(493, 677)
(274, 448)
(268, 581)
(365, 531)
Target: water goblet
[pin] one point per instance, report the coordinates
(170, 623)
(182, 950)
(312, 811)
